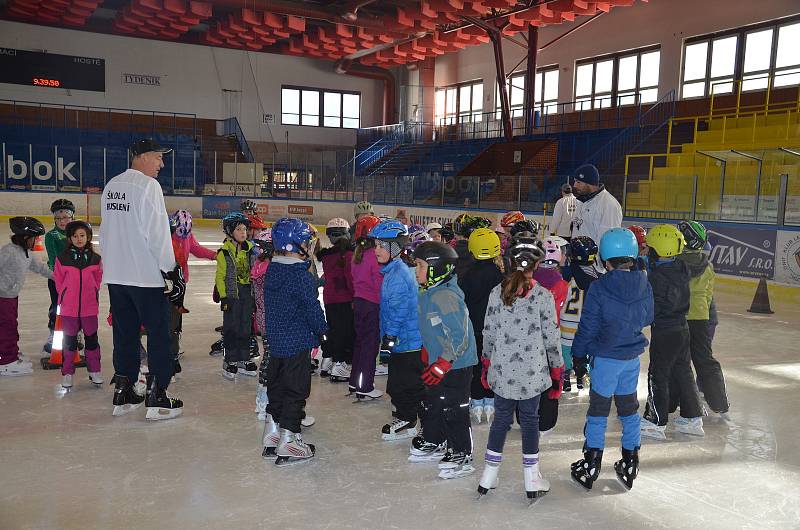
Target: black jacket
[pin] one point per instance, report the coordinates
(477, 284)
(465, 260)
(670, 282)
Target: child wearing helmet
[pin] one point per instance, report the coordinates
(415, 239)
(434, 230)
(15, 261)
(55, 241)
(263, 252)
(522, 361)
(477, 283)
(641, 239)
(232, 283)
(367, 282)
(670, 378)
(616, 308)
(449, 355)
(294, 324)
(701, 289)
(401, 340)
(337, 295)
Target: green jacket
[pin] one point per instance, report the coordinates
(701, 286)
(233, 267)
(55, 241)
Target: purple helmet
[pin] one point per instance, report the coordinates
(183, 223)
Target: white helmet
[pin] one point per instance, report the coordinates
(432, 226)
(338, 222)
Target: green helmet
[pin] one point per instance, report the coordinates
(694, 233)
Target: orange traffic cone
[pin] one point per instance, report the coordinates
(38, 246)
(56, 358)
(761, 299)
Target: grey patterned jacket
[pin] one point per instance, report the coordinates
(522, 343)
(14, 265)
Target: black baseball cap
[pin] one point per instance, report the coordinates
(147, 145)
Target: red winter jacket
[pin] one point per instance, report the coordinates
(78, 275)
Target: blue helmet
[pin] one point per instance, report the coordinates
(290, 234)
(618, 243)
(232, 220)
(389, 229)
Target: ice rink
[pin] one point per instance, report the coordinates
(67, 463)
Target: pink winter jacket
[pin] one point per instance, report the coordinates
(78, 278)
(190, 245)
(338, 288)
(367, 277)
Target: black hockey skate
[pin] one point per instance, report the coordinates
(218, 348)
(254, 351)
(586, 470)
(125, 398)
(160, 405)
(567, 381)
(627, 468)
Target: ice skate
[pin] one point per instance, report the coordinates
(18, 367)
(325, 367)
(292, 449)
(476, 411)
(248, 368)
(340, 373)
(627, 468)
(308, 421)
(218, 348)
(691, 426)
(229, 370)
(490, 470)
(586, 470)
(47, 348)
(126, 398)
(536, 487)
(262, 400)
(580, 382)
(651, 430)
(567, 381)
(425, 451)
(254, 351)
(96, 378)
(271, 438)
(458, 465)
(488, 409)
(399, 430)
(381, 369)
(66, 382)
(140, 387)
(160, 404)
(368, 396)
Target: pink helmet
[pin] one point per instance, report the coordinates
(264, 235)
(183, 222)
(553, 246)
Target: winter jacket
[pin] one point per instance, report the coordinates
(563, 212)
(551, 280)
(78, 276)
(583, 275)
(367, 277)
(55, 241)
(476, 284)
(445, 326)
(15, 262)
(257, 273)
(336, 265)
(233, 267)
(399, 306)
(615, 309)
(701, 286)
(190, 246)
(294, 321)
(670, 282)
(521, 343)
(464, 261)
(596, 214)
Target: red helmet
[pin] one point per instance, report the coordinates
(256, 222)
(510, 218)
(364, 225)
(641, 235)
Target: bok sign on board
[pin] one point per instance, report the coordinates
(39, 167)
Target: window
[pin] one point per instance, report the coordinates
(545, 98)
(752, 54)
(314, 107)
(461, 103)
(624, 78)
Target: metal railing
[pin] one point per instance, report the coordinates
(231, 127)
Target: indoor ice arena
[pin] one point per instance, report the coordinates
(399, 264)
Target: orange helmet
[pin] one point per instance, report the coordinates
(641, 235)
(256, 222)
(511, 217)
(364, 225)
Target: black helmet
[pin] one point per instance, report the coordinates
(74, 225)
(26, 226)
(441, 259)
(526, 225)
(447, 232)
(232, 220)
(583, 250)
(525, 251)
(248, 205)
(62, 204)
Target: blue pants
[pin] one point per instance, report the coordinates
(528, 423)
(618, 379)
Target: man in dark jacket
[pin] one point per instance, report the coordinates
(670, 357)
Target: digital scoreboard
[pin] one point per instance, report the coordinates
(20, 67)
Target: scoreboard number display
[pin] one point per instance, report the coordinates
(52, 70)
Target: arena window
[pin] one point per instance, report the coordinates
(545, 99)
(459, 103)
(316, 107)
(623, 78)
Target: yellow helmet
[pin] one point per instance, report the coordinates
(484, 244)
(666, 240)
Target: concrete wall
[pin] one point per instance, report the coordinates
(194, 79)
(664, 22)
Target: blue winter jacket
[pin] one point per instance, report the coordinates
(616, 308)
(293, 316)
(445, 325)
(399, 306)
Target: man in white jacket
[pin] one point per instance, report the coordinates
(563, 213)
(598, 210)
(137, 258)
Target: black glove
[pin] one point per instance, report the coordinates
(387, 344)
(581, 367)
(224, 305)
(175, 288)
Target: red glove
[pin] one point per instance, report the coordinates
(556, 374)
(435, 372)
(485, 372)
(424, 356)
